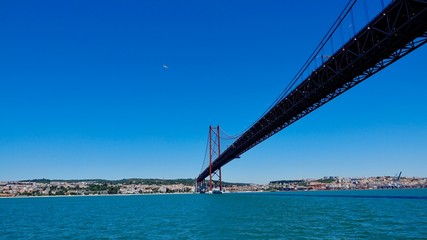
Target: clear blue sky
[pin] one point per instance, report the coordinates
(84, 94)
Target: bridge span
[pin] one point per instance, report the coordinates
(399, 29)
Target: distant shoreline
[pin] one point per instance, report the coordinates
(46, 187)
(95, 195)
(190, 193)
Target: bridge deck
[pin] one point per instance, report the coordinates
(395, 32)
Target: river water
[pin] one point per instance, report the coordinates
(365, 214)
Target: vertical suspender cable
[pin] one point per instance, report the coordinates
(365, 5)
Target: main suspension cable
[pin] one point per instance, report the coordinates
(310, 60)
(226, 136)
(316, 51)
(204, 158)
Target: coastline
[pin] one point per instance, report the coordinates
(236, 192)
(94, 195)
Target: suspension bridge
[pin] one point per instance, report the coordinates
(398, 28)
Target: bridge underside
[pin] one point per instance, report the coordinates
(395, 32)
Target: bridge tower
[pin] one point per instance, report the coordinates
(215, 178)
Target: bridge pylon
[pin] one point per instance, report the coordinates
(215, 176)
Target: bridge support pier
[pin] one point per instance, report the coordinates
(201, 186)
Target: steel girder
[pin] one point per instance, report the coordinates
(398, 30)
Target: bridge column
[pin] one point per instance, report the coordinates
(215, 177)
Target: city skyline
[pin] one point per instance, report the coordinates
(128, 90)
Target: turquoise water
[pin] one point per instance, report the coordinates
(376, 214)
